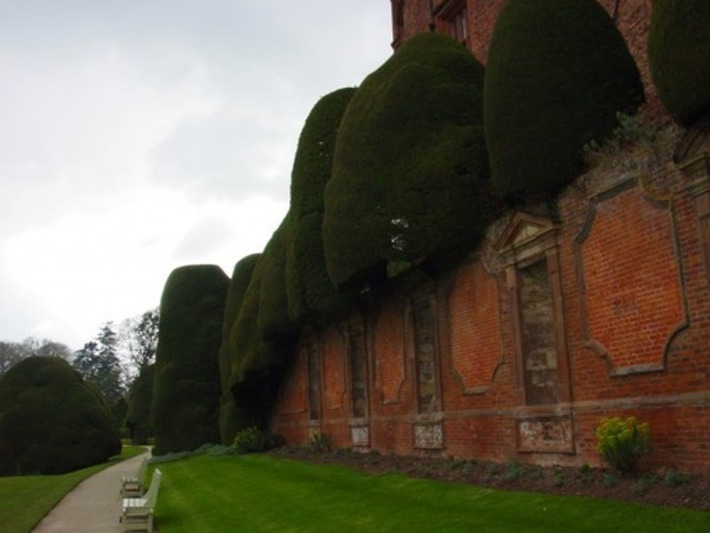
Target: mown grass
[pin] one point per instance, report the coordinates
(25, 500)
(260, 493)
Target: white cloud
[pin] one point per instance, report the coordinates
(139, 136)
(112, 265)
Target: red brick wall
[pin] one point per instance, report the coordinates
(632, 299)
(636, 312)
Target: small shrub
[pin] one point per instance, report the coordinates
(673, 478)
(537, 472)
(252, 439)
(169, 457)
(491, 471)
(585, 474)
(205, 449)
(513, 471)
(621, 443)
(641, 486)
(629, 130)
(452, 465)
(609, 480)
(559, 477)
(219, 449)
(320, 442)
(468, 467)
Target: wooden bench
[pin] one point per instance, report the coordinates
(137, 513)
(132, 486)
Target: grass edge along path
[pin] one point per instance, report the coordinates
(262, 493)
(26, 500)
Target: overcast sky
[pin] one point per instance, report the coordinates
(137, 136)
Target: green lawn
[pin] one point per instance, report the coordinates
(25, 500)
(258, 493)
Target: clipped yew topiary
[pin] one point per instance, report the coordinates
(229, 421)
(678, 52)
(273, 320)
(257, 362)
(310, 292)
(410, 175)
(186, 387)
(557, 75)
(51, 420)
(138, 419)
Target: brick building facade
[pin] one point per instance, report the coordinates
(549, 325)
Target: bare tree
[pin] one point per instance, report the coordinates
(12, 353)
(138, 340)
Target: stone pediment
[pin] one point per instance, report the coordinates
(522, 230)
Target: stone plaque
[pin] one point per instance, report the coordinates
(551, 434)
(428, 436)
(360, 435)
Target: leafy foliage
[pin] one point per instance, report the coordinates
(410, 175)
(557, 75)
(186, 384)
(621, 443)
(98, 361)
(678, 43)
(252, 439)
(52, 420)
(320, 442)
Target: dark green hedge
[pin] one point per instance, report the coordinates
(257, 364)
(187, 388)
(557, 74)
(313, 163)
(678, 53)
(287, 283)
(273, 320)
(138, 419)
(310, 292)
(229, 422)
(51, 420)
(410, 176)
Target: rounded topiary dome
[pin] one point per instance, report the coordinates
(557, 75)
(51, 420)
(679, 57)
(186, 386)
(309, 289)
(410, 168)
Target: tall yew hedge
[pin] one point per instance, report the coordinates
(186, 393)
(230, 418)
(311, 294)
(139, 419)
(557, 75)
(410, 174)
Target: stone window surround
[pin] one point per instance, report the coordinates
(451, 17)
(529, 239)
